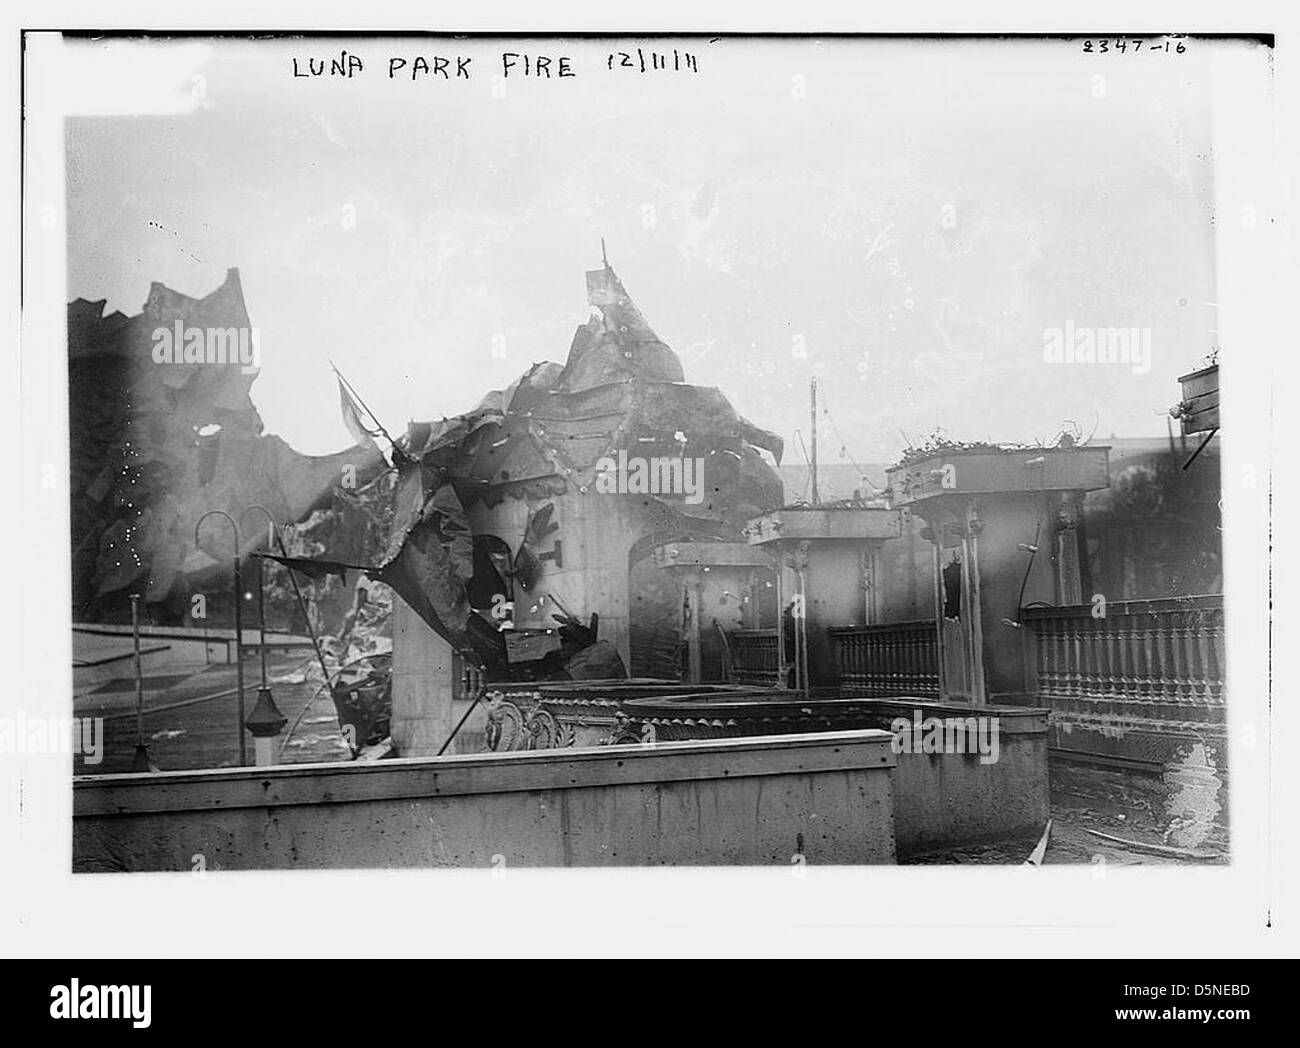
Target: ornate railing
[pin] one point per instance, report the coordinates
(1153, 663)
(753, 658)
(521, 725)
(892, 659)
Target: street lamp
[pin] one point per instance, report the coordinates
(239, 623)
(140, 762)
(266, 720)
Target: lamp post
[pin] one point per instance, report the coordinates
(140, 762)
(261, 595)
(239, 623)
(266, 721)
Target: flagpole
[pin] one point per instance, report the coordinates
(357, 396)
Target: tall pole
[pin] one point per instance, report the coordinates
(302, 605)
(261, 624)
(261, 621)
(266, 721)
(139, 674)
(140, 762)
(261, 592)
(373, 417)
(813, 430)
(239, 624)
(239, 655)
(275, 540)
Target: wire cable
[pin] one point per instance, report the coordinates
(844, 446)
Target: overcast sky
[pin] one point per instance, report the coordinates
(911, 216)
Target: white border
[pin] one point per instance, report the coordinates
(911, 911)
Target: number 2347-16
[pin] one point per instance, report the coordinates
(1122, 46)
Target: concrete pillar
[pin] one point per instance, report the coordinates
(597, 531)
(423, 675)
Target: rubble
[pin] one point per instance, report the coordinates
(549, 440)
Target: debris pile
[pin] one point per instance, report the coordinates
(553, 437)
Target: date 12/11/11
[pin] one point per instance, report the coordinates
(653, 61)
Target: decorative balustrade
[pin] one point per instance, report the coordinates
(1158, 661)
(522, 727)
(754, 658)
(892, 659)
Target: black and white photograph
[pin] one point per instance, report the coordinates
(523, 452)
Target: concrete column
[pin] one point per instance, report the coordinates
(423, 675)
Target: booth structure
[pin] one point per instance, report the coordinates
(828, 574)
(1006, 527)
(725, 575)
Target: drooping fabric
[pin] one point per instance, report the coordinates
(429, 560)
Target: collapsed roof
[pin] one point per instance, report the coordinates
(621, 389)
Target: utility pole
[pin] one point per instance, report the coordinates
(813, 450)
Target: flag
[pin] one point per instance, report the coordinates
(351, 419)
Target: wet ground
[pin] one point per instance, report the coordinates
(192, 721)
